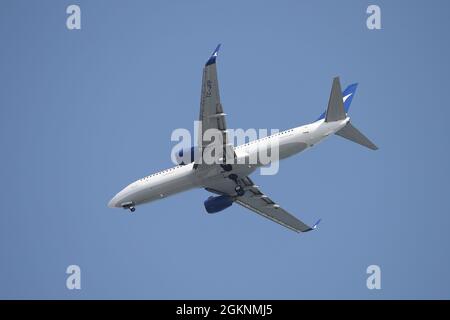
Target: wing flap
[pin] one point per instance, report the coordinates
(211, 110)
(258, 202)
(255, 200)
(211, 115)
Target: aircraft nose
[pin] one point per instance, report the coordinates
(113, 203)
(120, 198)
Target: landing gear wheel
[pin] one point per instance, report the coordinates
(132, 209)
(227, 167)
(239, 190)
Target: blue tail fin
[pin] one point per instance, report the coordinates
(348, 94)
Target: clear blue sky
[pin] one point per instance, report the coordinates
(83, 113)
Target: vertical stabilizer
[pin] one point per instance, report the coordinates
(335, 110)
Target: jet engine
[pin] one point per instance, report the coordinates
(217, 203)
(187, 155)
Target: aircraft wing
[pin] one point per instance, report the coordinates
(255, 200)
(211, 111)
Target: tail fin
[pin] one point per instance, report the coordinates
(347, 97)
(338, 106)
(351, 133)
(335, 110)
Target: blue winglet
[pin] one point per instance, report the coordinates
(316, 224)
(213, 57)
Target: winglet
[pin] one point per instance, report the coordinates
(213, 57)
(314, 227)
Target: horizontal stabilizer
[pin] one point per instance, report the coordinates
(351, 133)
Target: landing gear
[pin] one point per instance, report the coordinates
(239, 189)
(227, 167)
(129, 206)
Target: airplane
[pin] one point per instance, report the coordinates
(231, 182)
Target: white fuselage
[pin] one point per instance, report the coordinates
(184, 177)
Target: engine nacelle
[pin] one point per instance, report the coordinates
(188, 155)
(218, 203)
